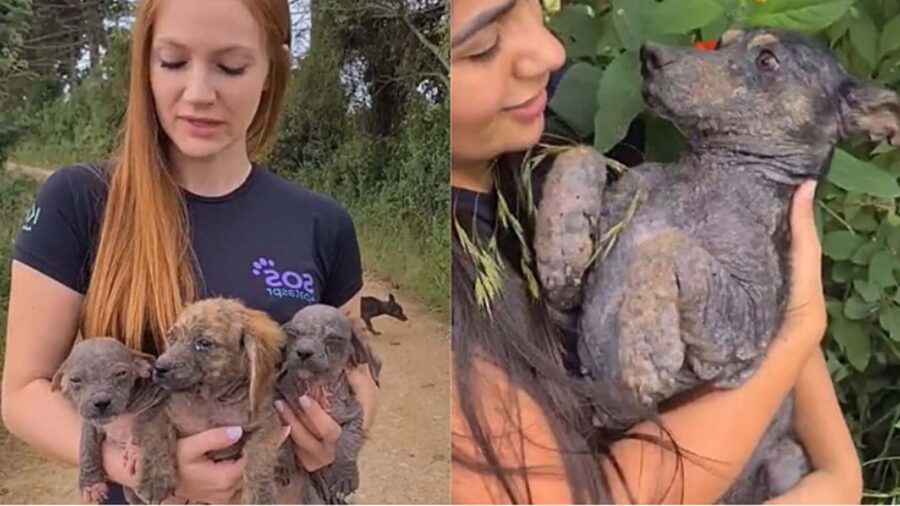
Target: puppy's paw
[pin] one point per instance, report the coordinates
(95, 493)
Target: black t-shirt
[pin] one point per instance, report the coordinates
(270, 243)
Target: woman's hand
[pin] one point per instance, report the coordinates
(313, 431)
(199, 478)
(819, 424)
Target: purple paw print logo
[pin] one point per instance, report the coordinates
(262, 265)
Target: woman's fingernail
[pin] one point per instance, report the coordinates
(234, 433)
(305, 401)
(279, 406)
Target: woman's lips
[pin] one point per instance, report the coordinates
(204, 128)
(530, 110)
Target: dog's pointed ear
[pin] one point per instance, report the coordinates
(262, 340)
(391, 297)
(142, 363)
(56, 384)
(362, 354)
(869, 110)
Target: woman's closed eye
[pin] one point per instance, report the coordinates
(233, 70)
(487, 54)
(172, 64)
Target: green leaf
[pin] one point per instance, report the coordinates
(864, 221)
(618, 99)
(864, 37)
(853, 174)
(629, 20)
(800, 15)
(857, 309)
(682, 16)
(575, 100)
(870, 292)
(841, 272)
(664, 141)
(840, 244)
(863, 255)
(576, 27)
(893, 239)
(890, 36)
(881, 269)
(889, 319)
(854, 340)
(716, 28)
(883, 147)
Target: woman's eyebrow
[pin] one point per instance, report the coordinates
(481, 20)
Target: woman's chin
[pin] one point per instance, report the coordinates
(199, 148)
(526, 135)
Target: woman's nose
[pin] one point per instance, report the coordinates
(542, 53)
(197, 89)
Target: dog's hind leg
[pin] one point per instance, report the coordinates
(371, 328)
(155, 436)
(261, 454)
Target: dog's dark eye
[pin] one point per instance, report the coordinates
(202, 344)
(334, 344)
(767, 61)
(121, 374)
(75, 382)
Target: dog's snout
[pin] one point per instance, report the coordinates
(102, 404)
(653, 57)
(304, 355)
(161, 369)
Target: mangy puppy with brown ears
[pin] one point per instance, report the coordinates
(219, 368)
(105, 380)
(322, 344)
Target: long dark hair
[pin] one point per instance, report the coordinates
(517, 332)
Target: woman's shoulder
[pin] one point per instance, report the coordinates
(297, 196)
(86, 179)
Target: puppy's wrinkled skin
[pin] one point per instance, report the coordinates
(219, 368)
(322, 344)
(104, 380)
(695, 285)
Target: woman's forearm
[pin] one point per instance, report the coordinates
(823, 433)
(44, 420)
(49, 424)
(716, 433)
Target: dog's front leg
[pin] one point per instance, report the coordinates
(156, 439)
(91, 477)
(261, 457)
(340, 480)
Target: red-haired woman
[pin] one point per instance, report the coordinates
(180, 213)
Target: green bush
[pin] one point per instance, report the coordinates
(857, 204)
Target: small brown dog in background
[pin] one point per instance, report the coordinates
(105, 380)
(219, 369)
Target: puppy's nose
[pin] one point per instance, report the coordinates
(654, 57)
(304, 355)
(160, 370)
(101, 404)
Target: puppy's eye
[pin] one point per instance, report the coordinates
(334, 344)
(202, 344)
(767, 61)
(75, 382)
(121, 374)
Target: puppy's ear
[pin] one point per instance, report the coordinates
(362, 354)
(142, 363)
(869, 110)
(262, 340)
(57, 381)
(391, 297)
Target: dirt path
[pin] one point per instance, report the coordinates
(405, 461)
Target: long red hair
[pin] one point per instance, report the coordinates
(143, 270)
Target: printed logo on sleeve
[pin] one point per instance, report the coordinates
(283, 284)
(31, 220)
